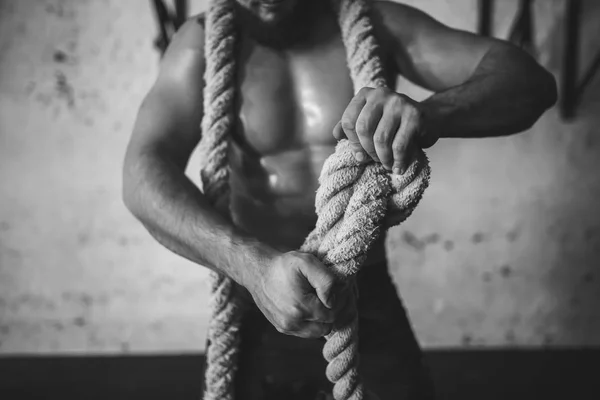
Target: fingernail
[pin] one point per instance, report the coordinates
(397, 171)
(359, 156)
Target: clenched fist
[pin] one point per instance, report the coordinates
(300, 296)
(386, 126)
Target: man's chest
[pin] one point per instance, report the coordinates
(291, 100)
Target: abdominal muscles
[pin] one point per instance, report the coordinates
(273, 197)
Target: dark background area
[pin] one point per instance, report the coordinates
(458, 374)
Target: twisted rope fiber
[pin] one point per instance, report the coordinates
(224, 325)
(353, 202)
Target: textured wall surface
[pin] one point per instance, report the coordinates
(504, 249)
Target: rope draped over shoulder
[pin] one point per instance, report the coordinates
(352, 203)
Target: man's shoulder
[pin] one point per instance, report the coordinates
(400, 19)
(190, 35)
(388, 5)
(183, 63)
(395, 10)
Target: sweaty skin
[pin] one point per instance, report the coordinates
(288, 106)
(295, 99)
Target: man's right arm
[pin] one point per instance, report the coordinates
(155, 187)
(293, 290)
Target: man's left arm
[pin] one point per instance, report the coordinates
(482, 87)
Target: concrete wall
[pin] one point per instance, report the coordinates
(503, 250)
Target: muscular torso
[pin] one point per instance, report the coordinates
(288, 103)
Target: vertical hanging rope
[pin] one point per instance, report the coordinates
(362, 50)
(352, 201)
(219, 96)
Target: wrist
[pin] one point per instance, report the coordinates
(252, 259)
(435, 121)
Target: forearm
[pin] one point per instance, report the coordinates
(179, 217)
(507, 93)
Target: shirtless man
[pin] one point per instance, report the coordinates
(295, 100)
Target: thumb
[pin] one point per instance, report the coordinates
(323, 281)
(339, 133)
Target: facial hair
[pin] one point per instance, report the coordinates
(285, 32)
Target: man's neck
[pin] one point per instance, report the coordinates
(295, 30)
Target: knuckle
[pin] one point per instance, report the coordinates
(364, 90)
(283, 324)
(286, 325)
(397, 102)
(398, 99)
(294, 315)
(309, 261)
(304, 335)
(380, 137)
(382, 91)
(302, 259)
(347, 125)
(299, 254)
(402, 97)
(397, 147)
(396, 108)
(282, 330)
(360, 129)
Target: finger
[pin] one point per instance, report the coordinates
(322, 280)
(384, 136)
(315, 311)
(310, 330)
(408, 130)
(348, 122)
(366, 124)
(338, 132)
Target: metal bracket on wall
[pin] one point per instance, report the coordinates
(169, 21)
(521, 32)
(571, 88)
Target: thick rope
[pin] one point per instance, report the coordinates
(351, 203)
(219, 95)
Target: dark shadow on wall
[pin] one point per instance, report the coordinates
(583, 69)
(575, 278)
(458, 374)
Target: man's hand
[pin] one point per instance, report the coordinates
(385, 125)
(300, 296)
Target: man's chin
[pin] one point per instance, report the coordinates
(271, 20)
(274, 11)
(268, 27)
